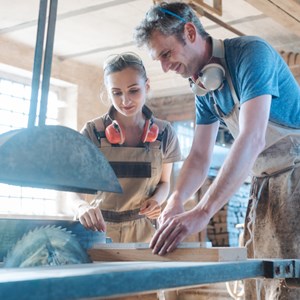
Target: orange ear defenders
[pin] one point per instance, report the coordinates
(150, 132)
(114, 133)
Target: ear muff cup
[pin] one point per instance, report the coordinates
(150, 132)
(196, 88)
(210, 78)
(115, 135)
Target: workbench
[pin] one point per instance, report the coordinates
(111, 279)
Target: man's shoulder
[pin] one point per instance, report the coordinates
(250, 49)
(244, 41)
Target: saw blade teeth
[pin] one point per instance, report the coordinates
(46, 245)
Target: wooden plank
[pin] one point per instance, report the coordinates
(141, 245)
(286, 12)
(293, 61)
(204, 13)
(216, 7)
(214, 254)
(291, 7)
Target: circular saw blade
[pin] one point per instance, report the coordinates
(46, 246)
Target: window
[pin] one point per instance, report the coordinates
(185, 134)
(14, 109)
(224, 137)
(15, 103)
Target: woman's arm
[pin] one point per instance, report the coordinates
(151, 208)
(89, 216)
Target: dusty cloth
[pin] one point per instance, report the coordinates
(274, 209)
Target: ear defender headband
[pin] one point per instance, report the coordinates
(211, 77)
(115, 135)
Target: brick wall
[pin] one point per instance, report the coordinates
(222, 229)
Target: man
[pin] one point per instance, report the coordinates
(245, 84)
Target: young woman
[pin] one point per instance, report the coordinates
(140, 148)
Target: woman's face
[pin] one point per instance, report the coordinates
(127, 90)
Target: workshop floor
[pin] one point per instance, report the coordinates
(217, 291)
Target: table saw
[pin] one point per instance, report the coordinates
(121, 270)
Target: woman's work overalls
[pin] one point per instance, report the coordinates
(139, 171)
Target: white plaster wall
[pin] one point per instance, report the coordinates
(81, 83)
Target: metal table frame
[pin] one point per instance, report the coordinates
(114, 279)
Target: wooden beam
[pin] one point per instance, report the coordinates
(121, 252)
(202, 12)
(293, 61)
(216, 6)
(67, 15)
(285, 12)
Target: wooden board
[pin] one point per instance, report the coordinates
(109, 252)
(287, 12)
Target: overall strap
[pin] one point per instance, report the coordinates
(220, 53)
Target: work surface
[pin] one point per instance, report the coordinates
(110, 279)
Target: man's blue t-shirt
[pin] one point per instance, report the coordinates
(256, 69)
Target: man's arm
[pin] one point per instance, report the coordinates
(193, 171)
(253, 120)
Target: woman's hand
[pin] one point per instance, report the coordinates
(91, 218)
(151, 209)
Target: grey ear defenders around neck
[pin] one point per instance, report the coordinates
(211, 77)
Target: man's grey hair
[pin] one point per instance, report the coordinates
(168, 19)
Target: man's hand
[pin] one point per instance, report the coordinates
(91, 218)
(172, 208)
(151, 209)
(175, 229)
